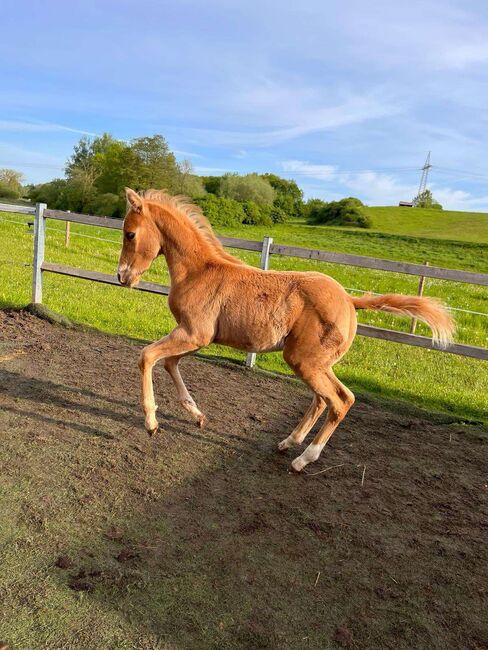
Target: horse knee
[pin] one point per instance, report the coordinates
(144, 359)
(349, 399)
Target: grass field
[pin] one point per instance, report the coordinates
(435, 380)
(420, 222)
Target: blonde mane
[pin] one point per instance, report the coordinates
(194, 214)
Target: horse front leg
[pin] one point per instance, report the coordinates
(177, 343)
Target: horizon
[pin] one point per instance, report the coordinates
(344, 101)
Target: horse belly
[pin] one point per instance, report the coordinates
(252, 334)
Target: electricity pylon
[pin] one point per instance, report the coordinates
(423, 179)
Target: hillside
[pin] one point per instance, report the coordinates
(438, 224)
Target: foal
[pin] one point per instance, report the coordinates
(216, 298)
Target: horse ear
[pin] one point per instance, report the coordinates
(135, 201)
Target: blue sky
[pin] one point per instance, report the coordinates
(344, 96)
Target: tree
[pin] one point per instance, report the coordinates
(53, 193)
(118, 166)
(100, 168)
(89, 153)
(11, 182)
(212, 184)
(426, 200)
(247, 188)
(158, 168)
(188, 184)
(80, 191)
(289, 197)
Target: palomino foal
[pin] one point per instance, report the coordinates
(216, 298)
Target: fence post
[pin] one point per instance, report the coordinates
(264, 264)
(420, 291)
(39, 239)
(67, 233)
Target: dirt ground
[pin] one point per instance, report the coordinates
(203, 538)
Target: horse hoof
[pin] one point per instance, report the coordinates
(151, 432)
(202, 421)
(284, 445)
(297, 465)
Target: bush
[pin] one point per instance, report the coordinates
(221, 211)
(346, 212)
(52, 194)
(8, 192)
(107, 205)
(278, 215)
(257, 215)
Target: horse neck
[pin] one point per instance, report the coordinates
(185, 250)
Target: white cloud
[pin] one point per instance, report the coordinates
(353, 110)
(452, 199)
(321, 172)
(187, 154)
(210, 171)
(376, 188)
(463, 55)
(38, 127)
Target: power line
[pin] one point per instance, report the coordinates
(450, 171)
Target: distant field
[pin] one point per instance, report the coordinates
(441, 224)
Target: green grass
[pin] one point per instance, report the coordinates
(439, 224)
(431, 379)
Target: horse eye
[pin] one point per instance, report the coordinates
(130, 235)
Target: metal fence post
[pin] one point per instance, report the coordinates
(39, 239)
(264, 264)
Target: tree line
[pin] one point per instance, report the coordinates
(100, 168)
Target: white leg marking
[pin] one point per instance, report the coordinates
(311, 453)
(287, 443)
(192, 408)
(150, 421)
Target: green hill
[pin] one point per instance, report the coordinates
(437, 224)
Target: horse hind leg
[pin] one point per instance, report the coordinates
(299, 433)
(187, 401)
(339, 400)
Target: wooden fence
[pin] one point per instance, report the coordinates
(266, 248)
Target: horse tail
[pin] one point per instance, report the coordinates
(429, 310)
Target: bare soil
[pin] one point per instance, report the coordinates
(203, 538)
